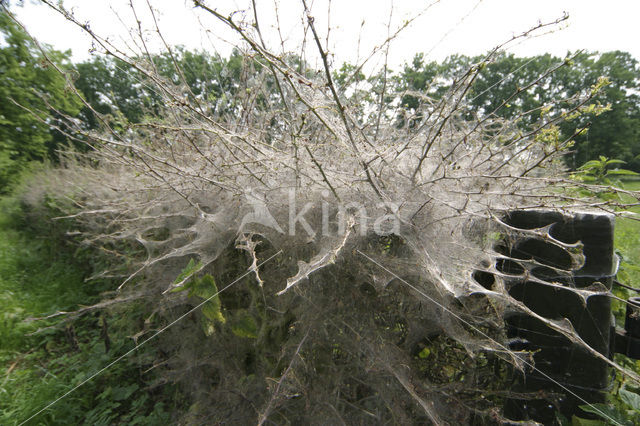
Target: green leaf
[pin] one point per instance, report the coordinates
(191, 268)
(590, 165)
(211, 310)
(245, 326)
(205, 288)
(632, 399)
(620, 172)
(607, 412)
(615, 161)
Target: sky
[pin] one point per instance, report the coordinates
(439, 28)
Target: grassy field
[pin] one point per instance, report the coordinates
(627, 243)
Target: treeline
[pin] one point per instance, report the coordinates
(35, 95)
(511, 87)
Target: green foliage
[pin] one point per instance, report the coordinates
(41, 273)
(244, 325)
(604, 411)
(624, 409)
(39, 278)
(202, 288)
(123, 95)
(424, 353)
(599, 172)
(188, 271)
(521, 88)
(113, 89)
(30, 90)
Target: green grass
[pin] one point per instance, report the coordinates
(627, 237)
(627, 244)
(42, 273)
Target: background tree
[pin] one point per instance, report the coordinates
(31, 91)
(112, 88)
(510, 87)
(614, 133)
(119, 91)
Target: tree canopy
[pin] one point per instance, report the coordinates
(511, 86)
(121, 90)
(32, 91)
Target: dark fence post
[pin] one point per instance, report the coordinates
(565, 376)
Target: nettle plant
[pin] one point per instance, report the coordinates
(600, 171)
(327, 231)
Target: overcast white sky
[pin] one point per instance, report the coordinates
(449, 26)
